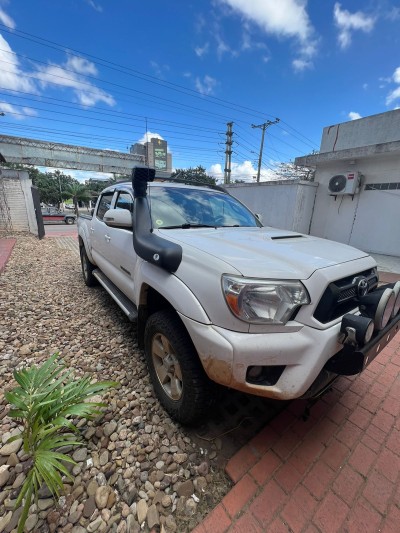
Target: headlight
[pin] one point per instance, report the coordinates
(263, 301)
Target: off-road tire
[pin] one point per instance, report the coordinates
(87, 269)
(196, 389)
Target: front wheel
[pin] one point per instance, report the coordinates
(69, 220)
(178, 377)
(87, 269)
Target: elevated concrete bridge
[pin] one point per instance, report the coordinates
(50, 154)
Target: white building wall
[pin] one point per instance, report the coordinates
(371, 219)
(286, 204)
(376, 129)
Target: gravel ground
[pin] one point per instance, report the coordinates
(137, 470)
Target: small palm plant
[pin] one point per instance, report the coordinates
(46, 401)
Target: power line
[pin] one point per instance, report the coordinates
(146, 77)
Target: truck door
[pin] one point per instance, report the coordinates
(98, 230)
(119, 252)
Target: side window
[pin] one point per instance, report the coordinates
(124, 201)
(104, 204)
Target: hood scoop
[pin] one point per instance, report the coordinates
(287, 237)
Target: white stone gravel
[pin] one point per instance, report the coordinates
(135, 461)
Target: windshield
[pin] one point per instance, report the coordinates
(185, 208)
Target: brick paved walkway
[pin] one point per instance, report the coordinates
(338, 471)
(6, 246)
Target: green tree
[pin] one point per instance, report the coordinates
(50, 184)
(290, 171)
(193, 175)
(78, 193)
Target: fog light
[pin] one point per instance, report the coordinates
(362, 325)
(264, 375)
(254, 372)
(379, 306)
(396, 289)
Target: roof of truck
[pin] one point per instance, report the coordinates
(169, 183)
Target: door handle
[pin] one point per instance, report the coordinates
(91, 230)
(107, 238)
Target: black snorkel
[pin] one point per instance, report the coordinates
(150, 247)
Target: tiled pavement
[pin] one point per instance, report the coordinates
(337, 471)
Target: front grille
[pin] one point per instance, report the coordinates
(340, 296)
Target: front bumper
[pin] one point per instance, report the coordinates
(351, 360)
(305, 352)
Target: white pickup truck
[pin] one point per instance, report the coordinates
(220, 298)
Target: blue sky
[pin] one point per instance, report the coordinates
(95, 72)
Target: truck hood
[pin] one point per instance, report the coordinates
(265, 252)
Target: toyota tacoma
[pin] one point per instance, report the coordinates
(219, 298)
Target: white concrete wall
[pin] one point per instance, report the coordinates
(375, 129)
(369, 221)
(286, 204)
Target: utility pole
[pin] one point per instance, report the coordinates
(228, 153)
(263, 127)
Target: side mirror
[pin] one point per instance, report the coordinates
(92, 211)
(258, 216)
(120, 218)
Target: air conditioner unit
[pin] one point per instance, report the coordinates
(344, 183)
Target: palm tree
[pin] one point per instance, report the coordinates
(78, 193)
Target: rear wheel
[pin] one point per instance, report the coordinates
(87, 269)
(178, 377)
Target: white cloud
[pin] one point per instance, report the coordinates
(81, 65)
(96, 7)
(393, 96)
(68, 75)
(223, 47)
(201, 50)
(159, 70)
(301, 64)
(241, 171)
(12, 77)
(348, 22)
(353, 115)
(286, 18)
(395, 93)
(19, 113)
(206, 85)
(149, 135)
(396, 75)
(6, 19)
(393, 14)
(87, 93)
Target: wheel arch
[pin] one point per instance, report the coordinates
(155, 297)
(82, 241)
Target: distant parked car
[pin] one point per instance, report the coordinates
(52, 215)
(69, 206)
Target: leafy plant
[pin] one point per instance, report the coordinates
(46, 401)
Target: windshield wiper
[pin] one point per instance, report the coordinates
(187, 225)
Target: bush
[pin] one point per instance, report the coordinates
(46, 402)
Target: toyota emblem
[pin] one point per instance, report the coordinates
(362, 287)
